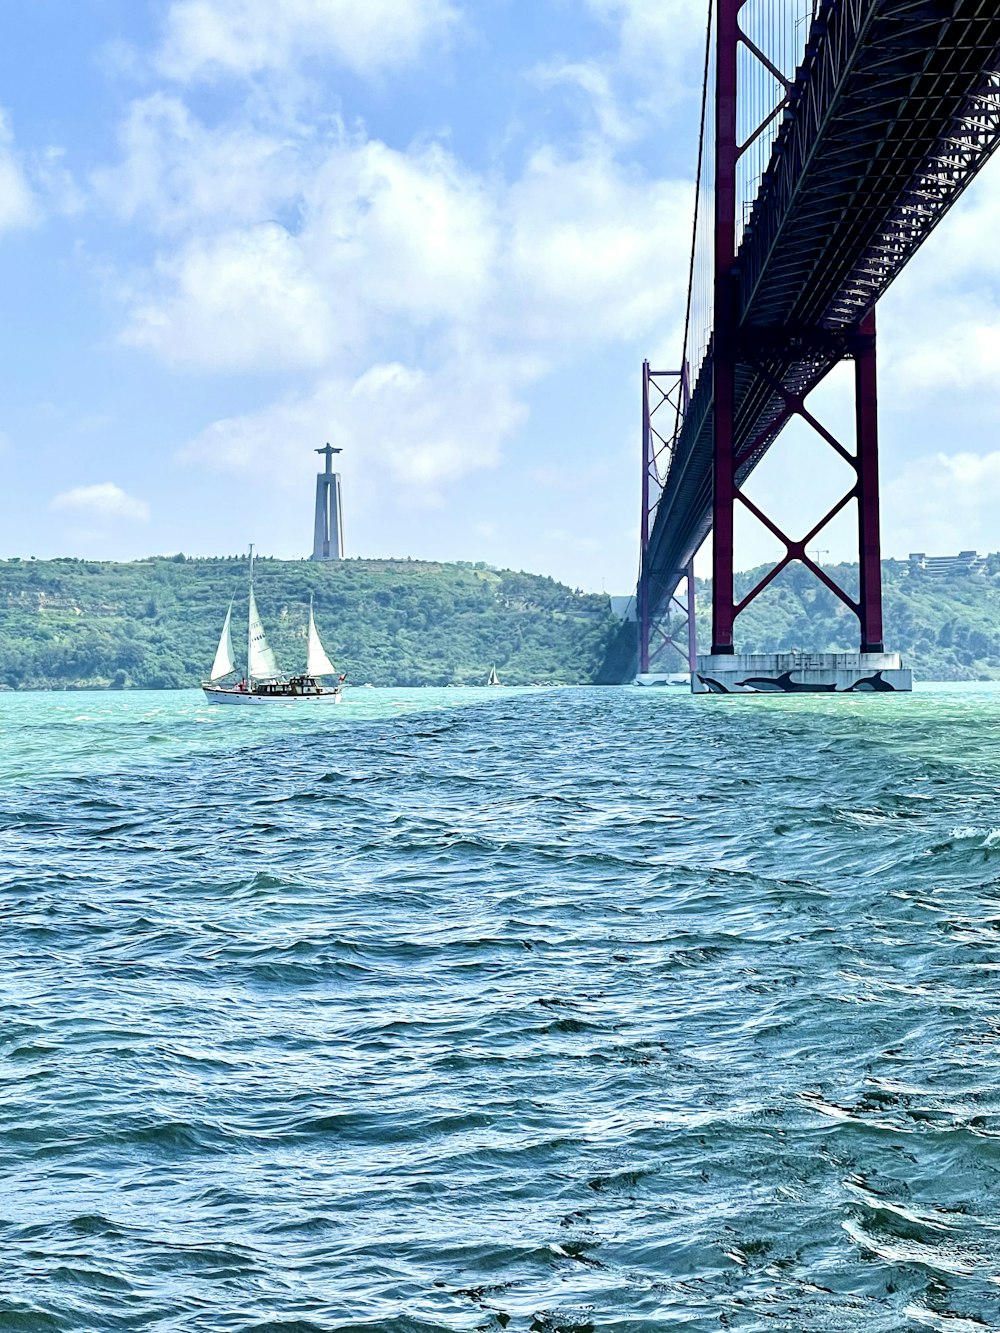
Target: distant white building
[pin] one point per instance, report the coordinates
(966, 562)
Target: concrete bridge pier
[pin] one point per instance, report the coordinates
(801, 673)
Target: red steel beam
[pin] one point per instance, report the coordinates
(643, 607)
(723, 489)
(869, 542)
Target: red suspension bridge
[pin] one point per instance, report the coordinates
(835, 135)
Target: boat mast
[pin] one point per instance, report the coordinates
(250, 603)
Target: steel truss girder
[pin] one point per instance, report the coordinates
(886, 91)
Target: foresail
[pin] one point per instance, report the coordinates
(317, 662)
(225, 662)
(261, 660)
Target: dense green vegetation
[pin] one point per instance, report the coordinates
(946, 627)
(155, 623)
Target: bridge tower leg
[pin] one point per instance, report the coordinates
(724, 361)
(648, 475)
(869, 542)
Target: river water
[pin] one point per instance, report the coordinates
(459, 1010)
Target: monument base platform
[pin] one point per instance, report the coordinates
(801, 673)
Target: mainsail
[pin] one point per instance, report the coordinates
(317, 662)
(224, 660)
(261, 663)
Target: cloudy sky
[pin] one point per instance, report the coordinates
(442, 234)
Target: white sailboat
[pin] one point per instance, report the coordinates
(493, 678)
(264, 682)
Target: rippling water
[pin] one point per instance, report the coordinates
(455, 1010)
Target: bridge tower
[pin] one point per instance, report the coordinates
(834, 138)
(667, 639)
(741, 348)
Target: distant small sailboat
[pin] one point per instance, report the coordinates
(263, 682)
(493, 678)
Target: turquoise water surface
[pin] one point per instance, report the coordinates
(466, 1009)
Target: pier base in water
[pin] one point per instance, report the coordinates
(801, 673)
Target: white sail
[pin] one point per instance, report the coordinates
(224, 662)
(317, 662)
(493, 678)
(261, 664)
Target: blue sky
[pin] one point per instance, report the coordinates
(441, 234)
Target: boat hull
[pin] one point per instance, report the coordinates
(221, 695)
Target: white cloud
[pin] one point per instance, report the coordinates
(660, 47)
(409, 234)
(455, 291)
(613, 125)
(18, 206)
(238, 301)
(586, 240)
(56, 183)
(921, 362)
(653, 31)
(944, 503)
(398, 425)
(940, 324)
(104, 500)
(383, 246)
(176, 174)
(382, 235)
(424, 297)
(207, 38)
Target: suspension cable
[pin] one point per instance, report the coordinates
(697, 200)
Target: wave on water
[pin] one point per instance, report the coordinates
(550, 1011)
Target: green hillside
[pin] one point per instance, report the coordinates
(155, 623)
(947, 628)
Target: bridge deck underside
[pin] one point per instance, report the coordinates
(894, 109)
